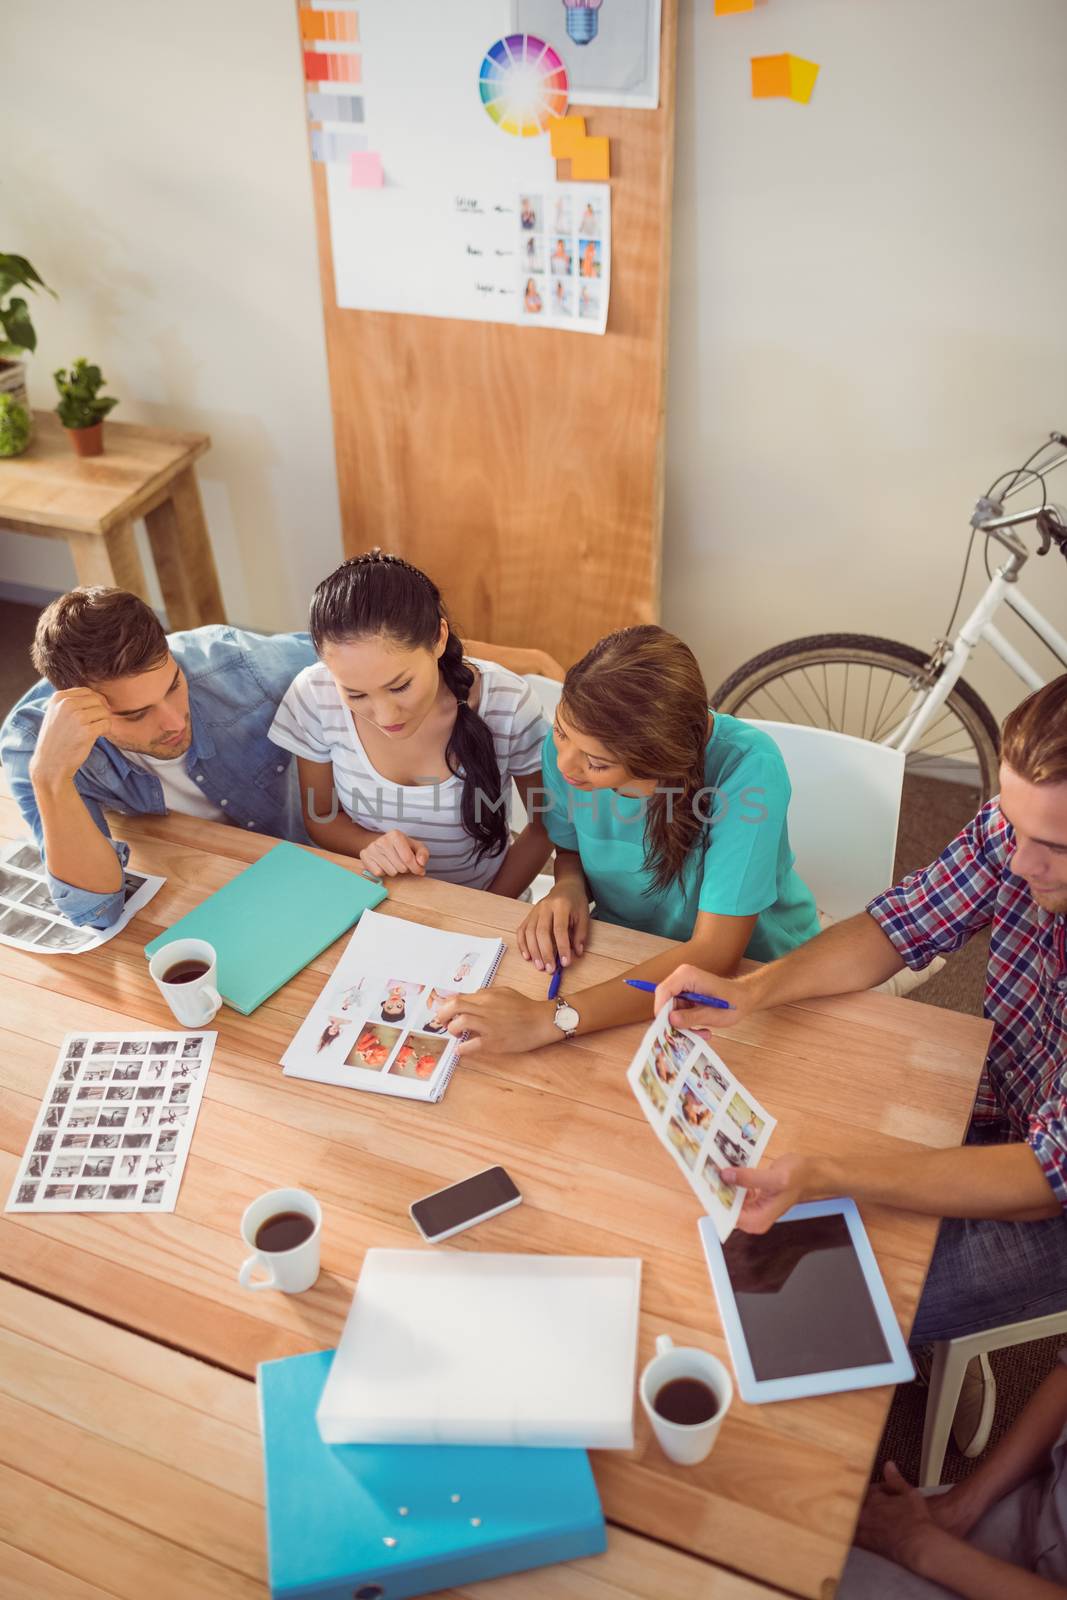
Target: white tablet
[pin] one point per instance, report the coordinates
(803, 1306)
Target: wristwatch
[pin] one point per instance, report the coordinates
(566, 1019)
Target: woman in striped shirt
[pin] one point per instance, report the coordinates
(407, 749)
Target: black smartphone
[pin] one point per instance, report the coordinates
(461, 1205)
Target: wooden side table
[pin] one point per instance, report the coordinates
(94, 503)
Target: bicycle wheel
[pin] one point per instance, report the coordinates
(858, 684)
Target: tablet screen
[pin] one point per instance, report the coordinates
(802, 1299)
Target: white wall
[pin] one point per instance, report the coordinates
(155, 172)
(869, 313)
(869, 317)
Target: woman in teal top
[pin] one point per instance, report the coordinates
(669, 818)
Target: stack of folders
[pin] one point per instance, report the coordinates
(445, 1439)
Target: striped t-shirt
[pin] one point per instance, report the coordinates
(314, 722)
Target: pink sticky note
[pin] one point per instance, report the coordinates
(365, 170)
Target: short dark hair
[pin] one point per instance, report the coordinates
(1034, 741)
(93, 635)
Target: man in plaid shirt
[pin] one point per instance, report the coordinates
(1002, 1255)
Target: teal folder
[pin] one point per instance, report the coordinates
(389, 1521)
(273, 918)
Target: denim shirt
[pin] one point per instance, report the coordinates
(236, 682)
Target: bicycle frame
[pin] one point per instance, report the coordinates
(1003, 589)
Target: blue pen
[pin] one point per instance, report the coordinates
(556, 980)
(683, 994)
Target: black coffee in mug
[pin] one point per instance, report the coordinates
(686, 1400)
(186, 972)
(284, 1231)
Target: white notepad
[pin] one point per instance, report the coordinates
(463, 1348)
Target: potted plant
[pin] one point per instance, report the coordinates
(16, 328)
(14, 426)
(82, 408)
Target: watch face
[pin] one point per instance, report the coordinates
(567, 1018)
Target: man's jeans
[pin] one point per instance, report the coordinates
(985, 1273)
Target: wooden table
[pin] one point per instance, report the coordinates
(94, 503)
(777, 1500)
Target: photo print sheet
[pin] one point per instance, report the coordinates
(700, 1113)
(28, 916)
(116, 1123)
(374, 1024)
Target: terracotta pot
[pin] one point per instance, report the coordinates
(87, 441)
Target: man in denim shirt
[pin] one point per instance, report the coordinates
(137, 722)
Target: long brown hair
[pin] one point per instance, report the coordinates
(641, 693)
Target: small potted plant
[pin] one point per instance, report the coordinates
(17, 333)
(14, 426)
(82, 408)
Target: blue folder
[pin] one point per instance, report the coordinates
(401, 1520)
(273, 918)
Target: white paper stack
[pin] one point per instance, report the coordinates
(462, 1348)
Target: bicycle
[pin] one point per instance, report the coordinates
(905, 697)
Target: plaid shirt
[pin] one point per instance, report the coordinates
(969, 887)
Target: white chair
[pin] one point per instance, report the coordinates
(951, 1357)
(843, 814)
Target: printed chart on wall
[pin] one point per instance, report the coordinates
(442, 187)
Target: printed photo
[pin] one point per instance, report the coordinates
(653, 1088)
(66, 1166)
(154, 1070)
(562, 298)
(694, 1111)
(682, 1140)
(663, 1066)
(589, 259)
(153, 1193)
(61, 1095)
(23, 925)
(464, 968)
(98, 1168)
(434, 999)
(157, 1166)
(120, 1091)
(191, 1047)
(167, 1139)
(165, 1047)
(26, 859)
(73, 1141)
(533, 255)
(134, 1047)
(334, 1033)
(534, 306)
(180, 1093)
(724, 1193)
(592, 217)
(69, 1071)
(711, 1080)
(45, 1141)
(125, 1071)
(373, 1046)
(187, 1070)
(173, 1116)
(63, 936)
(90, 1191)
(136, 1141)
(530, 212)
(349, 997)
(27, 1194)
(12, 887)
(99, 1073)
(39, 898)
(749, 1126)
(76, 1049)
(105, 1141)
(105, 1047)
(564, 222)
(677, 1046)
(589, 301)
(129, 1164)
(149, 1093)
(114, 1117)
(53, 1117)
(734, 1154)
(90, 1092)
(121, 1191)
(396, 1000)
(36, 1166)
(418, 1056)
(59, 1191)
(144, 1116)
(84, 1117)
(133, 882)
(562, 260)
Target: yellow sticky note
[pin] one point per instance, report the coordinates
(566, 134)
(726, 8)
(592, 160)
(770, 77)
(802, 76)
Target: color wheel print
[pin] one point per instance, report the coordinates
(523, 84)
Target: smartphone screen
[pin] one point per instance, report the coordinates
(463, 1203)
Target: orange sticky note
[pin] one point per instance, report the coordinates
(593, 160)
(802, 76)
(566, 135)
(770, 77)
(726, 8)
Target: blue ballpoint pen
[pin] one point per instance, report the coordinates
(683, 994)
(557, 978)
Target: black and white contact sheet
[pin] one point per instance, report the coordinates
(29, 919)
(116, 1123)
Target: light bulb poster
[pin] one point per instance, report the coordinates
(466, 218)
(609, 48)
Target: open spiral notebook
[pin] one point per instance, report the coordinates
(373, 1026)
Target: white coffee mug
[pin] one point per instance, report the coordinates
(685, 1442)
(291, 1271)
(194, 1004)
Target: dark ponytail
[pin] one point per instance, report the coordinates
(383, 594)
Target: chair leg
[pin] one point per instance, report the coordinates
(946, 1380)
